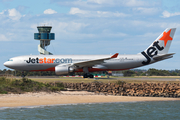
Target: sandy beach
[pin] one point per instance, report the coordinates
(68, 97)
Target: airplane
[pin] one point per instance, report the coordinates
(66, 64)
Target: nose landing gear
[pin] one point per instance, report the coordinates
(23, 76)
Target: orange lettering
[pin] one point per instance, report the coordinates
(52, 61)
(48, 60)
(41, 60)
(44, 60)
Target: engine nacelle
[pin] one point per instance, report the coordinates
(63, 69)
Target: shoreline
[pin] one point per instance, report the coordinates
(68, 98)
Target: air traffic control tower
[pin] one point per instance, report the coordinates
(45, 37)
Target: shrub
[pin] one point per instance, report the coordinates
(27, 85)
(54, 89)
(59, 84)
(120, 82)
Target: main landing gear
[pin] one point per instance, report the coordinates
(86, 73)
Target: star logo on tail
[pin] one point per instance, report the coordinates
(166, 36)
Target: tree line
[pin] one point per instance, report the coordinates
(133, 72)
(151, 72)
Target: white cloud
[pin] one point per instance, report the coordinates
(87, 13)
(149, 35)
(68, 27)
(98, 4)
(2, 12)
(166, 14)
(131, 3)
(139, 24)
(49, 11)
(117, 14)
(3, 38)
(119, 34)
(110, 14)
(77, 11)
(147, 11)
(100, 1)
(12, 14)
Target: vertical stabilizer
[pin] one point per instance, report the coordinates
(163, 42)
(159, 47)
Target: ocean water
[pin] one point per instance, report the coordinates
(166, 110)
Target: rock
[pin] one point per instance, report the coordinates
(127, 90)
(113, 91)
(125, 94)
(116, 86)
(130, 89)
(120, 89)
(167, 95)
(108, 88)
(135, 94)
(177, 91)
(128, 94)
(122, 93)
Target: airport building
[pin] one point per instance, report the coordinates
(45, 37)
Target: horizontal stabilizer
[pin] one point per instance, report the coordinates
(164, 56)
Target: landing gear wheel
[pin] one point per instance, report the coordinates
(88, 75)
(85, 76)
(91, 76)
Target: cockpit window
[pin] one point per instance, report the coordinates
(10, 60)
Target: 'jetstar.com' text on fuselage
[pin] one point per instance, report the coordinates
(48, 60)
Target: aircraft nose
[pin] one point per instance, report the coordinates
(7, 64)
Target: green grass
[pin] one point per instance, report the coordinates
(178, 77)
(104, 80)
(73, 80)
(27, 85)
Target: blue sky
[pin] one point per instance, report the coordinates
(89, 27)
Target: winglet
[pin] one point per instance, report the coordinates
(115, 55)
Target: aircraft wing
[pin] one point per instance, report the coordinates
(164, 56)
(91, 63)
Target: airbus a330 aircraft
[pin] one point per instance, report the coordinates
(65, 64)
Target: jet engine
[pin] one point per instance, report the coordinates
(63, 69)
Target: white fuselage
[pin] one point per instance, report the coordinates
(49, 62)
